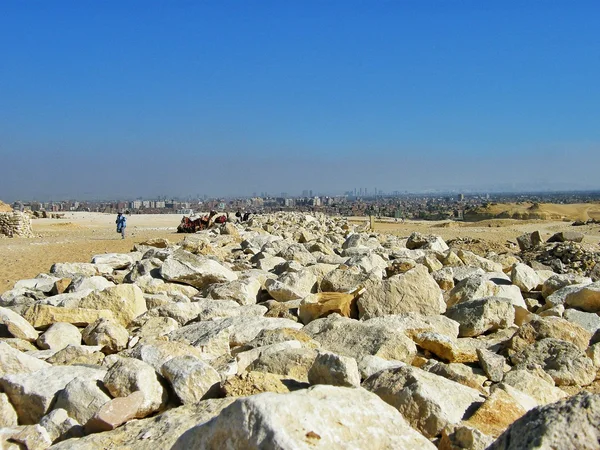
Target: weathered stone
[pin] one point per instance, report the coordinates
(58, 336)
(348, 337)
(529, 241)
(587, 298)
(114, 260)
(13, 361)
(72, 270)
(82, 398)
(77, 354)
(157, 352)
(60, 426)
(413, 291)
(524, 277)
(126, 301)
(292, 362)
(369, 365)
(8, 415)
(472, 260)
(292, 285)
(479, 316)
(484, 286)
(431, 242)
(252, 383)
(185, 267)
(30, 437)
(191, 379)
(461, 437)
(554, 283)
(559, 297)
(87, 284)
(343, 280)
(563, 361)
(537, 384)
(248, 422)
(324, 303)
(153, 327)
(17, 325)
(42, 316)
(108, 334)
(33, 394)
(550, 327)
(128, 375)
(496, 414)
(243, 291)
(492, 364)
(567, 424)
(448, 349)
(116, 412)
(242, 329)
(412, 324)
(427, 401)
(158, 432)
(335, 370)
(589, 321)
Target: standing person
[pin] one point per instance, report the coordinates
(121, 224)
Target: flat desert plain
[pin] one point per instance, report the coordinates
(79, 235)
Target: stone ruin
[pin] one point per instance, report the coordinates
(15, 224)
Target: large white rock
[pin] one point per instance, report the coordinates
(537, 384)
(153, 433)
(337, 370)
(525, 277)
(72, 270)
(488, 285)
(478, 316)
(17, 325)
(59, 336)
(81, 398)
(114, 260)
(128, 375)
(13, 361)
(8, 415)
(125, 301)
(43, 283)
(413, 291)
(573, 423)
(87, 284)
(33, 394)
(429, 402)
(322, 417)
(108, 334)
(292, 285)
(243, 291)
(157, 352)
(587, 298)
(191, 379)
(242, 329)
(348, 337)
(187, 268)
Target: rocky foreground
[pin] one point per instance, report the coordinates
(299, 332)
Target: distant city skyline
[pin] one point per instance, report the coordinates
(122, 100)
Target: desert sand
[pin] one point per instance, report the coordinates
(79, 236)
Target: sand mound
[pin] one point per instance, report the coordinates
(4, 207)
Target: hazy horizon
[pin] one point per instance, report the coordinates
(122, 100)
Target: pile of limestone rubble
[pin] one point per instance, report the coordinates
(296, 332)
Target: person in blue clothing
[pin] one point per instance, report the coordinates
(121, 224)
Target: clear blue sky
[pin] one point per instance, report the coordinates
(122, 99)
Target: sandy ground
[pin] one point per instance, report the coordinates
(79, 236)
(76, 238)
